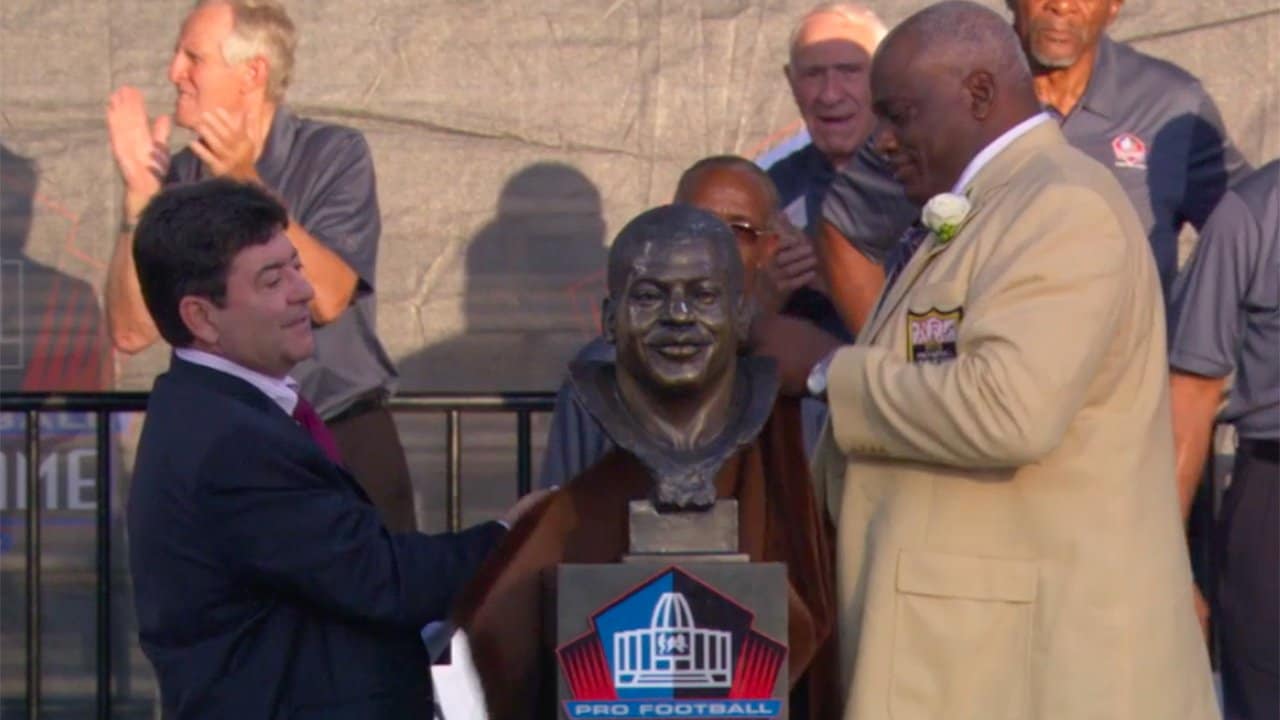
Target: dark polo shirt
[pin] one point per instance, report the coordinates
(1155, 127)
(1226, 305)
(863, 202)
(1148, 120)
(867, 205)
(324, 175)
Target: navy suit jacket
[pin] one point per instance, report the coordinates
(266, 586)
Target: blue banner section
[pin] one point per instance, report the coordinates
(722, 709)
(61, 424)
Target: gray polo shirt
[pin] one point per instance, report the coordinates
(1155, 127)
(324, 175)
(867, 205)
(1226, 305)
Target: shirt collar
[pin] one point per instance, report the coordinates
(1103, 88)
(994, 148)
(282, 391)
(275, 150)
(815, 162)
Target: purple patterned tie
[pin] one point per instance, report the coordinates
(898, 258)
(310, 421)
(902, 253)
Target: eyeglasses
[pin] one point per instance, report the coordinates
(745, 231)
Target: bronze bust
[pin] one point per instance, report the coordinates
(681, 398)
(709, 467)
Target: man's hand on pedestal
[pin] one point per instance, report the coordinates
(523, 506)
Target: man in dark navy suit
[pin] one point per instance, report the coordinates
(266, 584)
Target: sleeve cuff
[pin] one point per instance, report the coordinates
(1195, 364)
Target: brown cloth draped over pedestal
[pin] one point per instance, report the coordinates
(509, 609)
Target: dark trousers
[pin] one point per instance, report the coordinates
(371, 450)
(1247, 606)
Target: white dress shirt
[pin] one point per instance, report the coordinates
(282, 391)
(995, 147)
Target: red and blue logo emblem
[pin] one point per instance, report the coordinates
(672, 647)
(1130, 151)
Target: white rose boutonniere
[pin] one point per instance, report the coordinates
(944, 214)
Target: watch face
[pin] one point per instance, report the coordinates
(817, 381)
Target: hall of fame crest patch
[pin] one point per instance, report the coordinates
(932, 335)
(1130, 151)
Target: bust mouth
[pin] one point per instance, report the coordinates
(679, 350)
(682, 477)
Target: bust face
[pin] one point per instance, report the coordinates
(674, 321)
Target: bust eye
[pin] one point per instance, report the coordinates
(707, 295)
(646, 295)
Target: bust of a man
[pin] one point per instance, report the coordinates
(697, 426)
(680, 398)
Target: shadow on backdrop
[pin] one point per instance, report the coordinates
(52, 338)
(51, 331)
(529, 289)
(534, 278)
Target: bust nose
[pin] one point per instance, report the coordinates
(678, 307)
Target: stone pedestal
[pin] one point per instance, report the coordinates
(710, 536)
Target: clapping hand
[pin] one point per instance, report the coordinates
(225, 147)
(793, 266)
(140, 146)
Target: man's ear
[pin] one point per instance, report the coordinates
(1113, 11)
(786, 73)
(198, 314)
(255, 72)
(608, 316)
(982, 93)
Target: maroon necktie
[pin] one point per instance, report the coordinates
(315, 427)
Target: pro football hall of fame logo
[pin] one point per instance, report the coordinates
(673, 647)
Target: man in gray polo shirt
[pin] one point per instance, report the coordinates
(1226, 317)
(231, 67)
(1148, 120)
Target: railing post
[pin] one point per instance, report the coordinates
(103, 428)
(453, 488)
(33, 564)
(524, 451)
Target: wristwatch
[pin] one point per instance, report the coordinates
(816, 384)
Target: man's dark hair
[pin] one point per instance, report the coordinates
(728, 162)
(187, 238)
(665, 225)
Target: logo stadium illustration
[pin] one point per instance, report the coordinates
(672, 647)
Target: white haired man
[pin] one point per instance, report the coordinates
(828, 71)
(231, 66)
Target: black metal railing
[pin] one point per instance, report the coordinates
(103, 406)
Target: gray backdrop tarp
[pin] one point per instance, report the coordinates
(511, 139)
